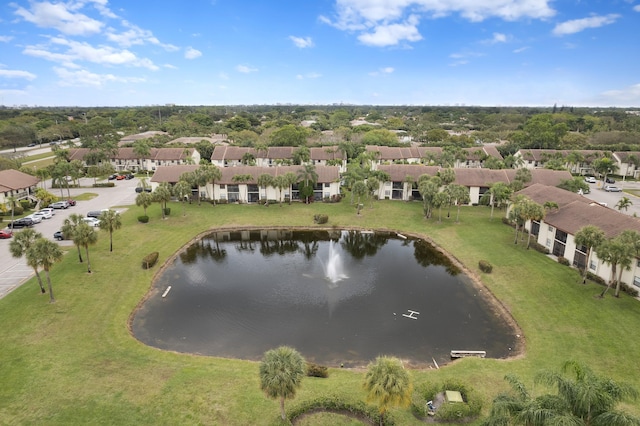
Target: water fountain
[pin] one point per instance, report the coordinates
(333, 269)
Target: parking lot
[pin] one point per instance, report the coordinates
(14, 272)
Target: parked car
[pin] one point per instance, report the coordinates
(21, 223)
(590, 179)
(34, 217)
(612, 188)
(120, 177)
(112, 177)
(128, 176)
(610, 180)
(91, 221)
(139, 189)
(58, 235)
(47, 212)
(32, 144)
(64, 204)
(94, 214)
(71, 201)
(5, 233)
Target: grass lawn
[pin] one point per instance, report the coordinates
(75, 362)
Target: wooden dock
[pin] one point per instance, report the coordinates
(464, 354)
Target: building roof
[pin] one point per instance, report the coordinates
(542, 193)
(399, 172)
(544, 176)
(573, 216)
(11, 180)
(480, 177)
(127, 153)
(171, 174)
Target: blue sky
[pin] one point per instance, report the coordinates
(376, 52)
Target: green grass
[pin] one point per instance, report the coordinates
(75, 361)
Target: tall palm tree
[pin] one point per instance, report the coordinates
(589, 236)
(162, 195)
(373, 185)
(280, 182)
(69, 227)
(21, 243)
(12, 201)
(45, 253)
(281, 373)
(110, 221)
(182, 189)
(214, 174)
(309, 176)
(460, 195)
(617, 253)
(359, 189)
(388, 384)
(534, 212)
(265, 180)
(86, 236)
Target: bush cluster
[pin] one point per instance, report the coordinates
(539, 247)
(629, 290)
(447, 412)
(104, 185)
(316, 370)
(150, 260)
(485, 266)
(563, 261)
(336, 404)
(143, 219)
(320, 218)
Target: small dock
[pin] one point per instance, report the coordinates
(464, 354)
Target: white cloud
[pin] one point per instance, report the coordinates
(223, 76)
(17, 74)
(170, 66)
(629, 96)
(60, 16)
(521, 49)
(382, 71)
(192, 53)
(636, 8)
(245, 69)
(386, 22)
(87, 78)
(391, 34)
(577, 25)
(77, 51)
(300, 42)
(135, 35)
(499, 38)
(5, 39)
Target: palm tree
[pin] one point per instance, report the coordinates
(309, 176)
(618, 253)
(518, 213)
(12, 201)
(440, 199)
(281, 373)
(459, 194)
(589, 236)
(265, 180)
(145, 199)
(21, 243)
(45, 253)
(359, 189)
(86, 236)
(110, 221)
(581, 399)
(242, 178)
(604, 166)
(290, 179)
(214, 174)
(280, 182)
(499, 192)
(624, 203)
(534, 212)
(182, 190)
(373, 185)
(69, 230)
(162, 195)
(388, 384)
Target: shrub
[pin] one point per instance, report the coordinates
(104, 185)
(596, 279)
(17, 209)
(320, 218)
(315, 370)
(448, 412)
(150, 260)
(563, 261)
(143, 219)
(167, 211)
(539, 247)
(338, 405)
(629, 290)
(485, 266)
(25, 204)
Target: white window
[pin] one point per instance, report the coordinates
(636, 281)
(593, 265)
(548, 243)
(551, 228)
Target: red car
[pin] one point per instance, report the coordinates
(71, 202)
(5, 234)
(120, 177)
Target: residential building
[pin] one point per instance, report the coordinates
(14, 183)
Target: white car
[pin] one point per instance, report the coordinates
(612, 188)
(34, 217)
(43, 215)
(590, 179)
(91, 221)
(47, 212)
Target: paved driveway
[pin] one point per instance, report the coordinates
(14, 272)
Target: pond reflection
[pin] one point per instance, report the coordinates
(239, 293)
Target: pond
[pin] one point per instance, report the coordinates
(338, 297)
